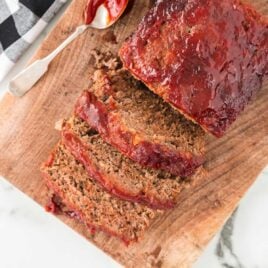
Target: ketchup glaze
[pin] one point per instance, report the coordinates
(207, 58)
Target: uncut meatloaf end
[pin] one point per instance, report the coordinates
(118, 174)
(92, 205)
(207, 58)
(140, 124)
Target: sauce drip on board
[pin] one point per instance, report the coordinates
(114, 8)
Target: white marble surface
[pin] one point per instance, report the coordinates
(243, 241)
(30, 237)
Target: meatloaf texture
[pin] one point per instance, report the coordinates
(140, 124)
(118, 174)
(91, 204)
(207, 58)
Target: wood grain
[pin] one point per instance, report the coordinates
(176, 239)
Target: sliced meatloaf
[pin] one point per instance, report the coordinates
(207, 58)
(118, 174)
(140, 124)
(90, 203)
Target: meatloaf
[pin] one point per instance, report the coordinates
(140, 124)
(207, 58)
(90, 203)
(118, 174)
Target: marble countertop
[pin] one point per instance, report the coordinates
(30, 237)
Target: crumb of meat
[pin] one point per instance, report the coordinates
(105, 60)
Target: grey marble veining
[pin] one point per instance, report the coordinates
(224, 248)
(243, 241)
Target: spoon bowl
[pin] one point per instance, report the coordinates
(101, 14)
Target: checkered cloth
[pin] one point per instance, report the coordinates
(20, 23)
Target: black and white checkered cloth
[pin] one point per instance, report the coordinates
(21, 21)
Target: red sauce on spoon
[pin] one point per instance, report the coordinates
(114, 7)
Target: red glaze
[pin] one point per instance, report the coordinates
(208, 58)
(52, 207)
(79, 151)
(146, 153)
(79, 215)
(56, 206)
(114, 7)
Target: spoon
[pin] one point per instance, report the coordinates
(98, 14)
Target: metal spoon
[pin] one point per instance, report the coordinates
(26, 79)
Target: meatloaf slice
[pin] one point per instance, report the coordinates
(90, 203)
(207, 58)
(118, 174)
(140, 124)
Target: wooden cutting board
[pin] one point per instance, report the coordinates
(27, 135)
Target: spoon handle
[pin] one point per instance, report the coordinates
(79, 30)
(26, 79)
